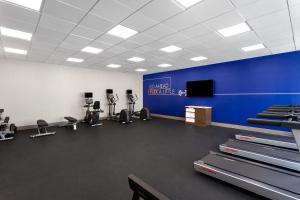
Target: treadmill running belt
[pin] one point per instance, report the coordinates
(268, 176)
(265, 150)
(270, 137)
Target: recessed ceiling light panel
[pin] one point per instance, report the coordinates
(136, 59)
(16, 51)
(253, 47)
(171, 49)
(187, 3)
(234, 30)
(113, 66)
(15, 33)
(92, 50)
(31, 4)
(122, 31)
(141, 70)
(164, 65)
(77, 60)
(199, 58)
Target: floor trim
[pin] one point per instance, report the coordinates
(168, 117)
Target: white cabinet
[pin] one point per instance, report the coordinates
(190, 120)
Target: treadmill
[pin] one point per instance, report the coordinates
(280, 157)
(265, 180)
(285, 106)
(284, 109)
(268, 139)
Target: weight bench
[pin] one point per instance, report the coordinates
(71, 122)
(42, 126)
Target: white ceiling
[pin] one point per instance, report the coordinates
(63, 27)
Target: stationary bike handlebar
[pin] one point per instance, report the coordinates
(112, 99)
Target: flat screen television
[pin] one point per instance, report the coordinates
(203, 88)
(88, 95)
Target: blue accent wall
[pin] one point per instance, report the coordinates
(242, 88)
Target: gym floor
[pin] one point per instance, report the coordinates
(93, 163)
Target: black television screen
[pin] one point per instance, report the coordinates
(204, 88)
(88, 95)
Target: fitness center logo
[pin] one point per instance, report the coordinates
(162, 86)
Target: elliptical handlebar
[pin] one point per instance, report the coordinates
(116, 99)
(112, 99)
(1, 112)
(136, 97)
(131, 98)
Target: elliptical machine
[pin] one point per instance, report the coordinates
(7, 131)
(122, 117)
(92, 117)
(144, 114)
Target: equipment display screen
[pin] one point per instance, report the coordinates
(88, 95)
(109, 91)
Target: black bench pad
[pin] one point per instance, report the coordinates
(71, 119)
(42, 123)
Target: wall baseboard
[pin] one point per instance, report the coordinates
(168, 117)
(233, 126)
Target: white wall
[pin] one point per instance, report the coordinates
(31, 91)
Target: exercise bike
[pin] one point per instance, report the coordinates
(144, 114)
(7, 131)
(122, 117)
(92, 117)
